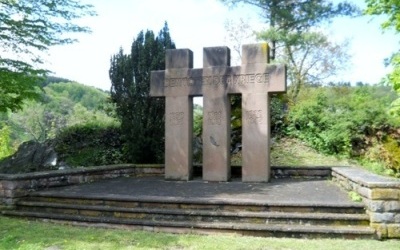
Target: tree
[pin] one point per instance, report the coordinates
(391, 8)
(296, 15)
(62, 105)
(238, 32)
(142, 116)
(28, 28)
(311, 57)
(294, 41)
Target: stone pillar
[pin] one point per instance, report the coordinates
(178, 119)
(255, 119)
(216, 115)
(255, 138)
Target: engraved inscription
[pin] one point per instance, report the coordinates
(216, 80)
(254, 116)
(214, 117)
(176, 118)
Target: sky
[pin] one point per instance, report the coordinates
(195, 24)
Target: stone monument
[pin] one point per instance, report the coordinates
(254, 80)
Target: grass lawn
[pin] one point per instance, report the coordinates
(24, 234)
(293, 152)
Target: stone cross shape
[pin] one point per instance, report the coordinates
(254, 80)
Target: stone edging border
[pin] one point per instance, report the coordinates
(381, 196)
(14, 186)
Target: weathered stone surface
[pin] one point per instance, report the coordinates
(367, 179)
(385, 194)
(397, 218)
(30, 157)
(9, 185)
(393, 231)
(381, 229)
(363, 191)
(255, 138)
(179, 117)
(383, 206)
(216, 117)
(75, 179)
(382, 217)
(381, 198)
(392, 206)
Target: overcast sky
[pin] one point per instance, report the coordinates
(195, 24)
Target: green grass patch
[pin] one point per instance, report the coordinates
(293, 152)
(354, 196)
(24, 234)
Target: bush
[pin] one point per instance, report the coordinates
(90, 145)
(5, 144)
(347, 121)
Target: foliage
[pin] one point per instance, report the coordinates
(90, 144)
(390, 8)
(278, 112)
(142, 117)
(79, 117)
(310, 56)
(54, 79)
(197, 120)
(197, 133)
(5, 143)
(354, 196)
(89, 97)
(36, 121)
(61, 105)
(296, 16)
(348, 121)
(27, 29)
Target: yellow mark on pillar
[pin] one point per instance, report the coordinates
(265, 50)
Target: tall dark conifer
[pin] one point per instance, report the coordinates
(142, 116)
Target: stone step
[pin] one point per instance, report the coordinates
(197, 214)
(202, 204)
(265, 230)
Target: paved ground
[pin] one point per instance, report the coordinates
(278, 191)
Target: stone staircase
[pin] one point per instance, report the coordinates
(191, 215)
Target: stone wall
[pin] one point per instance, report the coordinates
(381, 196)
(14, 186)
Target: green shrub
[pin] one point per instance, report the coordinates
(90, 145)
(349, 121)
(5, 145)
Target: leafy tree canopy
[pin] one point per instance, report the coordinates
(298, 15)
(390, 8)
(28, 28)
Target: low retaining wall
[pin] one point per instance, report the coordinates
(381, 196)
(14, 186)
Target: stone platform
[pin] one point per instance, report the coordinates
(142, 187)
(299, 208)
(278, 191)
